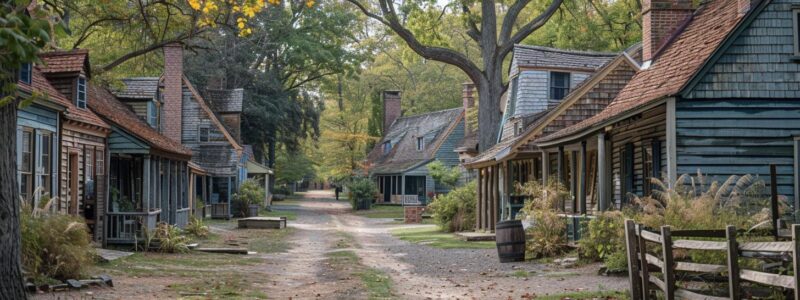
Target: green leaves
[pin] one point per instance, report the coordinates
(22, 35)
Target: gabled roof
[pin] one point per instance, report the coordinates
(102, 102)
(671, 71)
(139, 88)
(590, 96)
(403, 133)
(40, 84)
(225, 101)
(545, 57)
(67, 61)
(211, 115)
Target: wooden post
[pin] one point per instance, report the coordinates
(773, 187)
(545, 166)
(478, 204)
(485, 200)
(561, 174)
(494, 191)
(583, 175)
(643, 268)
(574, 183)
(601, 172)
(669, 263)
(795, 261)
(633, 261)
(733, 264)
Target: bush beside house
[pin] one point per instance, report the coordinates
(361, 192)
(455, 211)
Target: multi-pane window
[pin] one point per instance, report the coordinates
(627, 172)
(152, 114)
(80, 94)
(420, 143)
(559, 85)
(26, 165)
(387, 146)
(203, 134)
(88, 173)
(25, 73)
(46, 162)
(512, 101)
(100, 164)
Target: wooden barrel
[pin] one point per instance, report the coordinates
(510, 240)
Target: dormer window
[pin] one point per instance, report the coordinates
(517, 129)
(25, 72)
(80, 94)
(387, 146)
(420, 143)
(559, 85)
(152, 114)
(203, 134)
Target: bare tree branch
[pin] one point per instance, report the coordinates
(529, 28)
(511, 19)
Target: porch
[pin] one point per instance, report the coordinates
(403, 189)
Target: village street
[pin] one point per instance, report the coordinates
(416, 271)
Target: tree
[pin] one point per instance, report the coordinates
(412, 22)
(23, 32)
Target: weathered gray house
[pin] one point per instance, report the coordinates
(399, 161)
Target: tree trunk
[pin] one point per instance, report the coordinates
(11, 280)
(490, 89)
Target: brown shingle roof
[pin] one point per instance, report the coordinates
(674, 67)
(106, 105)
(40, 84)
(538, 56)
(139, 88)
(65, 61)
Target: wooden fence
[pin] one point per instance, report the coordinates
(642, 265)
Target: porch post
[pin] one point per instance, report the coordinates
(545, 166)
(582, 186)
(574, 183)
(561, 174)
(478, 202)
(403, 189)
(601, 171)
(672, 152)
(146, 183)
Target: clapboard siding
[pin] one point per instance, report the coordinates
(217, 156)
(721, 138)
(36, 116)
(446, 152)
(81, 141)
(639, 131)
(120, 141)
(533, 93)
(139, 108)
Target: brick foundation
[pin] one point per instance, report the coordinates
(413, 214)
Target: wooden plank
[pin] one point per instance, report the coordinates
(649, 236)
(768, 278)
(699, 233)
(700, 268)
(223, 250)
(659, 283)
(645, 283)
(689, 295)
(668, 269)
(767, 246)
(734, 291)
(632, 250)
(651, 259)
(700, 245)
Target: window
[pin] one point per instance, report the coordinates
(559, 85)
(203, 134)
(512, 101)
(420, 143)
(152, 114)
(25, 71)
(796, 27)
(517, 128)
(26, 165)
(80, 94)
(627, 172)
(387, 146)
(45, 162)
(100, 163)
(647, 169)
(88, 173)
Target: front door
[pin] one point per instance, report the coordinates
(387, 191)
(73, 183)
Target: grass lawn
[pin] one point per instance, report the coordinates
(434, 237)
(277, 212)
(346, 263)
(382, 211)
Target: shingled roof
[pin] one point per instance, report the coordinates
(225, 101)
(674, 67)
(403, 133)
(139, 88)
(538, 56)
(67, 61)
(108, 106)
(40, 84)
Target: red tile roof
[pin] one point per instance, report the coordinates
(673, 68)
(106, 105)
(40, 84)
(65, 61)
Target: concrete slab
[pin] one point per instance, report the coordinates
(476, 236)
(262, 222)
(109, 255)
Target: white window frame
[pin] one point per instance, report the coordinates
(200, 135)
(26, 73)
(152, 114)
(420, 143)
(550, 86)
(80, 92)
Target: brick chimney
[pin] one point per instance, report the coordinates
(468, 95)
(660, 18)
(391, 108)
(173, 91)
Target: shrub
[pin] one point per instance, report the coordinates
(547, 235)
(54, 245)
(361, 189)
(455, 211)
(443, 175)
(196, 227)
(282, 190)
(170, 239)
(250, 193)
(604, 240)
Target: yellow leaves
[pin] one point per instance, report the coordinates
(194, 4)
(310, 3)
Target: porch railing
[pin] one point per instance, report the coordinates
(182, 217)
(125, 227)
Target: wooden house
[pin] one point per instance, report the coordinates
(717, 94)
(515, 160)
(399, 162)
(82, 157)
(173, 107)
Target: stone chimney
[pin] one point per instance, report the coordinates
(391, 108)
(468, 95)
(660, 18)
(173, 91)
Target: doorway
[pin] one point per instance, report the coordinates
(73, 183)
